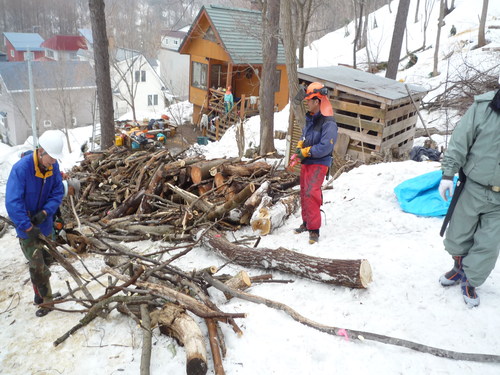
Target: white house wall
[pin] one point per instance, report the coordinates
(152, 86)
(174, 70)
(48, 109)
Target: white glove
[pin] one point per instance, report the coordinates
(445, 186)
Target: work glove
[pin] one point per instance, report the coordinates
(39, 217)
(446, 186)
(300, 144)
(303, 152)
(33, 233)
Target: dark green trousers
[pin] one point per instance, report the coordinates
(38, 259)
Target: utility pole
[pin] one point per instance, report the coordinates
(32, 100)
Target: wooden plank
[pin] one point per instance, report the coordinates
(356, 108)
(397, 140)
(362, 137)
(361, 99)
(400, 126)
(354, 121)
(341, 145)
(392, 114)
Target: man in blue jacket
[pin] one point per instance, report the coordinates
(33, 195)
(315, 150)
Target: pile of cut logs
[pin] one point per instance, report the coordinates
(154, 194)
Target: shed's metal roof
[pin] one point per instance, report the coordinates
(47, 75)
(362, 81)
(240, 31)
(23, 41)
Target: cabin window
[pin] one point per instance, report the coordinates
(49, 53)
(210, 35)
(12, 53)
(199, 75)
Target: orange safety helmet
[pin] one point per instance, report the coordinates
(318, 90)
(165, 117)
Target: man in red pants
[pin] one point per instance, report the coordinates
(315, 150)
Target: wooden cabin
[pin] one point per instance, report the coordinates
(224, 45)
(373, 113)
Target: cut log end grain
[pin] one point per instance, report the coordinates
(240, 281)
(196, 366)
(263, 222)
(365, 273)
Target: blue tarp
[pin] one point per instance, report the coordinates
(420, 195)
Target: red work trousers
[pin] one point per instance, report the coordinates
(311, 197)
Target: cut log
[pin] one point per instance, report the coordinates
(238, 199)
(128, 207)
(201, 170)
(252, 202)
(256, 169)
(270, 217)
(352, 273)
(192, 199)
(240, 281)
(175, 322)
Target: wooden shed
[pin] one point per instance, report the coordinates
(374, 113)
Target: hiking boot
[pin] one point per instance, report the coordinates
(301, 229)
(313, 236)
(469, 292)
(453, 276)
(42, 311)
(37, 300)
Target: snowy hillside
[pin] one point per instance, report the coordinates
(362, 220)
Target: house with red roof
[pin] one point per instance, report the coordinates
(63, 47)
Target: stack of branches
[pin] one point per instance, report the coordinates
(151, 194)
(459, 91)
(155, 293)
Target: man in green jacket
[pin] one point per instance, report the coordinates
(473, 235)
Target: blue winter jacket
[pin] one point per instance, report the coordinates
(320, 133)
(29, 191)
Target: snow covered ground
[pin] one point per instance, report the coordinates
(362, 221)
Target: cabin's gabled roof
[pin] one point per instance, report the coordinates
(239, 32)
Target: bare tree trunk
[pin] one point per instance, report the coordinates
(481, 40)
(438, 37)
(270, 29)
(291, 64)
(303, 11)
(416, 11)
(397, 39)
(102, 74)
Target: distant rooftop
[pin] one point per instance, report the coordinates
(48, 75)
(25, 41)
(65, 43)
(87, 34)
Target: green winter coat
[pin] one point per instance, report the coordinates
(475, 144)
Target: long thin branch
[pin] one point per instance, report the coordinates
(349, 333)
